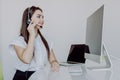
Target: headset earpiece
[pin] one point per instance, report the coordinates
(28, 16)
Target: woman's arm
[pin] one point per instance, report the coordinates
(53, 61)
(26, 54)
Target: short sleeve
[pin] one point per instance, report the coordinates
(19, 41)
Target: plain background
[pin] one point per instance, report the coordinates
(65, 24)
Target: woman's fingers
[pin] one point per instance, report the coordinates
(55, 66)
(31, 28)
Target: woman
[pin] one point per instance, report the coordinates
(31, 47)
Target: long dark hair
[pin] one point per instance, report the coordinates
(24, 32)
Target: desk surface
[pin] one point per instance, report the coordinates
(112, 74)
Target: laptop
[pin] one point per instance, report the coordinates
(76, 58)
(76, 54)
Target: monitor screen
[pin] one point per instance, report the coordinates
(94, 34)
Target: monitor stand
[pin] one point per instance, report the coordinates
(105, 58)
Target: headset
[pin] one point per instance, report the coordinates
(28, 17)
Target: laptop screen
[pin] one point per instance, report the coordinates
(76, 53)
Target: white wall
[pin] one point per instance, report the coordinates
(65, 23)
(112, 27)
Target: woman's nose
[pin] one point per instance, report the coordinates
(41, 19)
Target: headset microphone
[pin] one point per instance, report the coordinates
(28, 17)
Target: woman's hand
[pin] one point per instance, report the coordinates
(31, 29)
(55, 66)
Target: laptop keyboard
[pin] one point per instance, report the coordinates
(68, 64)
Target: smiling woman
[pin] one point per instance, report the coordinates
(31, 48)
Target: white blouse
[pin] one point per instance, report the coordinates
(40, 58)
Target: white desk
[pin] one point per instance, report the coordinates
(113, 74)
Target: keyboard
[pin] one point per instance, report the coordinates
(68, 64)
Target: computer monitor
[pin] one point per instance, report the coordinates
(94, 39)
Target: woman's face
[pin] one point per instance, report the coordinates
(37, 18)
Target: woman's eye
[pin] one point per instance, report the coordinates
(38, 16)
